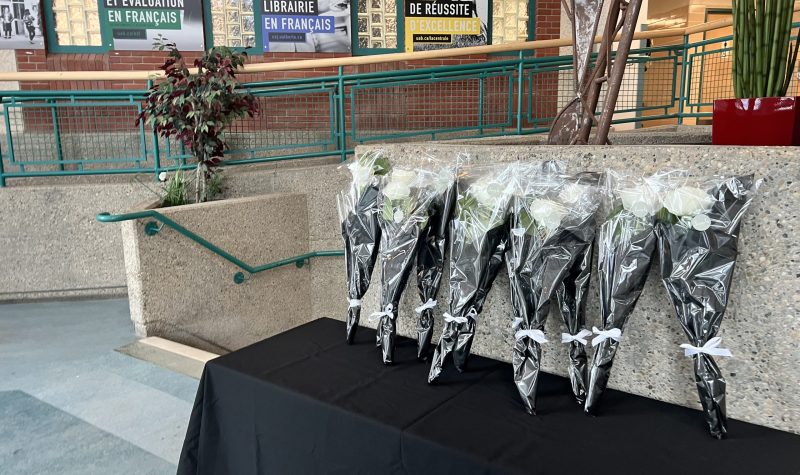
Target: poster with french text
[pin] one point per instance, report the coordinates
(135, 24)
(441, 24)
(306, 26)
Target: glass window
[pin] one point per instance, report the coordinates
(76, 23)
(233, 23)
(510, 20)
(377, 25)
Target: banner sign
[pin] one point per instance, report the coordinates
(439, 24)
(321, 26)
(134, 24)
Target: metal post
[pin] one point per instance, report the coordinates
(684, 72)
(156, 151)
(520, 77)
(57, 133)
(340, 122)
(480, 105)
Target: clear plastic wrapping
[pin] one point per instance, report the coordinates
(698, 232)
(626, 245)
(433, 251)
(358, 215)
(551, 232)
(478, 241)
(404, 203)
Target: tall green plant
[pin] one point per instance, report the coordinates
(763, 52)
(196, 105)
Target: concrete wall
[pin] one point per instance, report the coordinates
(760, 326)
(182, 291)
(51, 246)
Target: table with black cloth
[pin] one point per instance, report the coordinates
(304, 402)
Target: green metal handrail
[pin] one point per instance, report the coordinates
(151, 228)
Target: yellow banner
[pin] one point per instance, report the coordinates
(433, 30)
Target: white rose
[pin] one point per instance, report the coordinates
(361, 175)
(443, 180)
(487, 193)
(395, 190)
(403, 177)
(687, 201)
(572, 192)
(547, 213)
(640, 201)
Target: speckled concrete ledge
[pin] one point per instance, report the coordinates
(661, 135)
(762, 324)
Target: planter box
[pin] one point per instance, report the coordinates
(758, 121)
(183, 292)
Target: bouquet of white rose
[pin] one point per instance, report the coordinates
(431, 255)
(698, 235)
(571, 295)
(552, 226)
(626, 246)
(405, 200)
(358, 213)
(478, 240)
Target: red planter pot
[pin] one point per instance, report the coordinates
(758, 121)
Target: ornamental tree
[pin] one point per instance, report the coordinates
(195, 106)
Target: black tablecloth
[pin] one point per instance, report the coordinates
(303, 402)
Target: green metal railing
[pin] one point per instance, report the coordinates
(61, 133)
(157, 221)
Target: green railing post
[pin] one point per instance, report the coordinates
(520, 77)
(156, 151)
(341, 120)
(9, 140)
(480, 105)
(57, 135)
(684, 73)
(2, 172)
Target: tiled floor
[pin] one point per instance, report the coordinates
(70, 404)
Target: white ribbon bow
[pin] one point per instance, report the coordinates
(535, 335)
(449, 318)
(579, 337)
(710, 348)
(378, 315)
(429, 304)
(603, 335)
(354, 302)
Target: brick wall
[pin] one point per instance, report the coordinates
(409, 108)
(548, 26)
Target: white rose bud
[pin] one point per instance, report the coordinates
(399, 185)
(403, 177)
(443, 180)
(572, 193)
(488, 193)
(640, 201)
(361, 175)
(547, 213)
(687, 201)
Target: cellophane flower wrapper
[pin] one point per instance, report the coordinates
(404, 202)
(433, 252)
(478, 239)
(572, 294)
(698, 233)
(626, 245)
(358, 214)
(551, 227)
